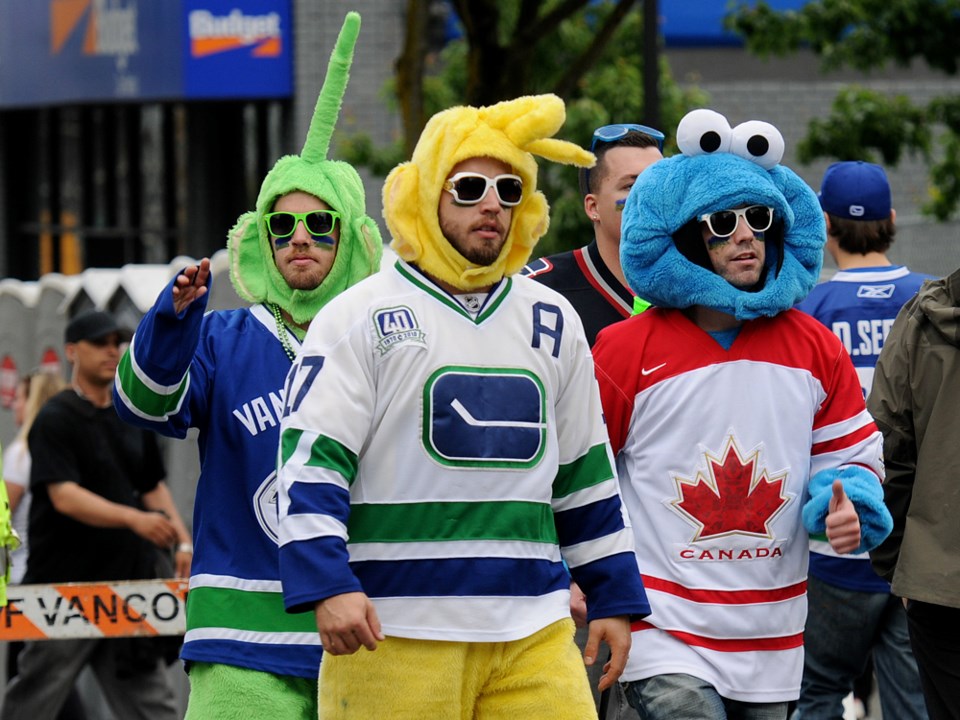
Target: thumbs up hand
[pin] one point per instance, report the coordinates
(843, 525)
(846, 503)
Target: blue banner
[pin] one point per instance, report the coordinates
(686, 23)
(234, 49)
(683, 23)
(89, 51)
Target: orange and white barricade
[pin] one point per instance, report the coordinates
(94, 610)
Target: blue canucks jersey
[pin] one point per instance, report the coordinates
(859, 306)
(223, 373)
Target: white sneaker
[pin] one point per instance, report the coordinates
(853, 708)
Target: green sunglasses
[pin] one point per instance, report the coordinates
(319, 223)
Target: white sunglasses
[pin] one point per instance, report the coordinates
(469, 188)
(723, 223)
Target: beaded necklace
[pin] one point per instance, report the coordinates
(282, 332)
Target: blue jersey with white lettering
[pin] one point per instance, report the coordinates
(223, 374)
(859, 305)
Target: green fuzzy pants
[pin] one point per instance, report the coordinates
(225, 692)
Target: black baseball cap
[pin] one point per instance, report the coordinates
(93, 325)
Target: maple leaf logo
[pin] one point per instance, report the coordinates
(732, 498)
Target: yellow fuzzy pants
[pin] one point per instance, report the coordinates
(541, 676)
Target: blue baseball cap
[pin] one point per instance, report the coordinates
(855, 190)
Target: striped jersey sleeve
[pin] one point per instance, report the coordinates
(157, 374)
(844, 433)
(324, 425)
(593, 531)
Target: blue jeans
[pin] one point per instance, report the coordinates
(843, 628)
(685, 697)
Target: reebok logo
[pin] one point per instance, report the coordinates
(875, 292)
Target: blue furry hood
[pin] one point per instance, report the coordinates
(720, 168)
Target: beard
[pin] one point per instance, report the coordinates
(308, 277)
(483, 253)
(305, 281)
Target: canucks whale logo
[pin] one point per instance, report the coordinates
(265, 507)
(484, 417)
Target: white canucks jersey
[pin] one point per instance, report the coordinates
(439, 460)
(715, 449)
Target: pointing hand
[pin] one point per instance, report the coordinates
(190, 285)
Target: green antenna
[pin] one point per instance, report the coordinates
(327, 110)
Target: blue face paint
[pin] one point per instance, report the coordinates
(715, 243)
(618, 204)
(320, 240)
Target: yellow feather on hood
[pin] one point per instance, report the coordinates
(512, 132)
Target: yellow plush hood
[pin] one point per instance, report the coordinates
(512, 132)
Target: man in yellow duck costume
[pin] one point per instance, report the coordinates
(443, 452)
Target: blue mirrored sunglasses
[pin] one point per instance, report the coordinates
(612, 133)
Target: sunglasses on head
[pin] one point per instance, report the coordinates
(612, 133)
(469, 188)
(282, 224)
(723, 223)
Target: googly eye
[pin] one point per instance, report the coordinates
(758, 142)
(703, 132)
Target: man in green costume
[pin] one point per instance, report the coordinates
(223, 373)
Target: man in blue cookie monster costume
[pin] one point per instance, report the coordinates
(308, 239)
(443, 444)
(738, 424)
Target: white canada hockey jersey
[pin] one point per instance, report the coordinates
(439, 460)
(715, 449)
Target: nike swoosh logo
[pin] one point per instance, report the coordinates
(645, 371)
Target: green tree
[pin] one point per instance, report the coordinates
(590, 54)
(863, 123)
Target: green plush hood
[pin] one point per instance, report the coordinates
(253, 272)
